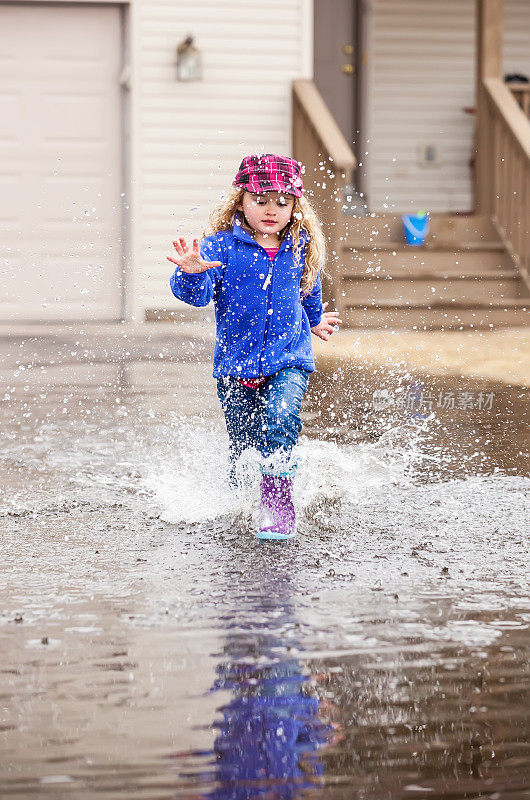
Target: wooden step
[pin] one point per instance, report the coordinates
(454, 247)
(439, 318)
(443, 228)
(468, 291)
(462, 277)
(430, 275)
(522, 303)
(354, 263)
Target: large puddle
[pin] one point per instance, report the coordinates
(152, 648)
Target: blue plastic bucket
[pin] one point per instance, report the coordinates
(416, 227)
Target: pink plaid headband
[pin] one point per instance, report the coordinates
(270, 173)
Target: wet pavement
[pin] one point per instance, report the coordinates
(152, 648)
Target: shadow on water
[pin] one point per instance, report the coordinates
(151, 648)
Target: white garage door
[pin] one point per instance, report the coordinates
(60, 163)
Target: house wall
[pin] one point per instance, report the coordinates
(421, 74)
(422, 62)
(188, 138)
(517, 36)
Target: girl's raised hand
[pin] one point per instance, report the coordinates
(327, 324)
(191, 260)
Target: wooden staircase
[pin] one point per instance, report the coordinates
(463, 277)
(473, 271)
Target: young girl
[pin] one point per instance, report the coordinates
(261, 267)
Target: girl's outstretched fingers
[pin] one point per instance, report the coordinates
(190, 260)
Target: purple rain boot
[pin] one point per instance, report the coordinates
(276, 513)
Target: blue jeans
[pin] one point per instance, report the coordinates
(267, 418)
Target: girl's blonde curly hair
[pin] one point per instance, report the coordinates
(303, 215)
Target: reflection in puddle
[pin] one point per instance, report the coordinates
(270, 730)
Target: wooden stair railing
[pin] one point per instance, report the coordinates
(319, 144)
(509, 172)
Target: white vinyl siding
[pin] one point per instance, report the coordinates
(189, 137)
(517, 36)
(422, 75)
(422, 64)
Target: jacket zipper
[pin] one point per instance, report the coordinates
(266, 286)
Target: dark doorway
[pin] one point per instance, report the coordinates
(338, 61)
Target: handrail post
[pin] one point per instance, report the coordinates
(318, 142)
(489, 65)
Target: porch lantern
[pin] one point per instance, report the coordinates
(188, 61)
